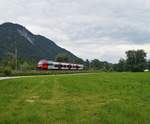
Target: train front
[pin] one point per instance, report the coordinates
(42, 65)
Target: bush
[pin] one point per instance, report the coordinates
(25, 66)
(7, 71)
(1, 70)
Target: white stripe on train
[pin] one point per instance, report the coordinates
(51, 65)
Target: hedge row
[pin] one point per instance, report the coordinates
(50, 72)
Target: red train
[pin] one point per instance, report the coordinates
(51, 65)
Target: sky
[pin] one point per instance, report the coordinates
(102, 29)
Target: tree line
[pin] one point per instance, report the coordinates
(135, 61)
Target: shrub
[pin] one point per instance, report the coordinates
(1, 70)
(25, 66)
(7, 71)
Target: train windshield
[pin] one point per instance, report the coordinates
(42, 62)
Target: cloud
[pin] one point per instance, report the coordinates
(102, 29)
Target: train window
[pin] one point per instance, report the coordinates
(59, 65)
(69, 66)
(56, 65)
(77, 66)
(50, 64)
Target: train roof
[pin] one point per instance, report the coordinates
(53, 62)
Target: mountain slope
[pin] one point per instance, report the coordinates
(29, 46)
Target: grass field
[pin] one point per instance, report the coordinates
(100, 98)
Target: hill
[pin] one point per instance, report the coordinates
(29, 45)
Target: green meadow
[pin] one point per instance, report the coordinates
(96, 98)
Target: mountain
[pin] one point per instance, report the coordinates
(29, 45)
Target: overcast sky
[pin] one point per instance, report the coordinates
(102, 29)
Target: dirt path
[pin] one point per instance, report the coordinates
(4, 78)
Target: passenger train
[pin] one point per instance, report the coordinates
(51, 65)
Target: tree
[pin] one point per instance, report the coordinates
(106, 66)
(9, 61)
(78, 61)
(62, 58)
(87, 64)
(148, 65)
(121, 66)
(24, 66)
(95, 64)
(136, 60)
(101, 65)
(7, 71)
